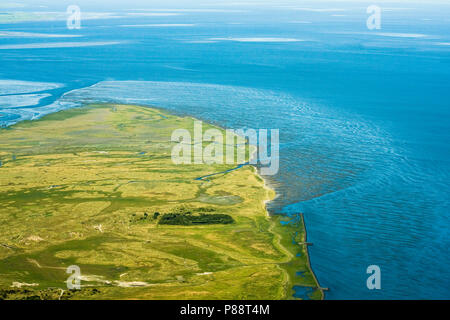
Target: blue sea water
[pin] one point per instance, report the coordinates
(363, 114)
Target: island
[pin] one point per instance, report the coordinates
(95, 187)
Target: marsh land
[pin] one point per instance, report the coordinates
(95, 187)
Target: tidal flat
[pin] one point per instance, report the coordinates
(89, 187)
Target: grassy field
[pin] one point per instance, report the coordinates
(82, 186)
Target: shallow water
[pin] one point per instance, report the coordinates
(363, 119)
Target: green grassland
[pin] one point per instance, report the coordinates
(82, 186)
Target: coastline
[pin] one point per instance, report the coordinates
(274, 220)
(272, 191)
(272, 194)
(281, 234)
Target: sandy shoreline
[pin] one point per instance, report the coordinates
(271, 191)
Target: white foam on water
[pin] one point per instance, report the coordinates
(190, 10)
(400, 35)
(153, 14)
(58, 45)
(158, 25)
(16, 34)
(320, 9)
(263, 39)
(22, 100)
(18, 86)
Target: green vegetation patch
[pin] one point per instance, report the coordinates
(195, 219)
